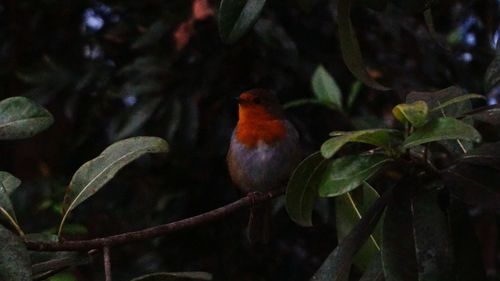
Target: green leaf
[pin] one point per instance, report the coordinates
(398, 245)
(167, 276)
(467, 250)
(374, 272)
(430, 229)
(236, 17)
(337, 265)
(349, 209)
(458, 99)
(326, 89)
(6, 209)
(385, 138)
(15, 262)
(301, 102)
(414, 113)
(346, 173)
(437, 98)
(492, 75)
(136, 119)
(94, 174)
(350, 47)
(442, 129)
(353, 93)
(22, 118)
(302, 190)
(9, 182)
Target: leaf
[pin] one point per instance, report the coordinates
(374, 272)
(445, 128)
(22, 118)
(161, 276)
(337, 265)
(488, 114)
(346, 173)
(15, 263)
(94, 174)
(492, 75)
(414, 113)
(413, 6)
(152, 35)
(349, 209)
(458, 99)
(301, 102)
(353, 93)
(326, 89)
(9, 182)
(474, 184)
(350, 47)
(437, 98)
(6, 209)
(140, 114)
(236, 17)
(466, 248)
(302, 190)
(432, 245)
(385, 138)
(398, 245)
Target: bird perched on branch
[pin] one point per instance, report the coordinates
(263, 152)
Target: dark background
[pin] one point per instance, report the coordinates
(108, 70)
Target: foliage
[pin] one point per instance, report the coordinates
(78, 77)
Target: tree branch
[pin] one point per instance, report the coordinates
(155, 231)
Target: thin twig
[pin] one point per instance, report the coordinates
(107, 263)
(155, 231)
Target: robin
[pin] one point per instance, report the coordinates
(263, 152)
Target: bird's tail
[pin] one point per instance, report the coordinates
(259, 224)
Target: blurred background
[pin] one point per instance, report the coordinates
(109, 69)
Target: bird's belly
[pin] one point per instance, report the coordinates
(264, 167)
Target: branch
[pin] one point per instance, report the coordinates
(160, 230)
(107, 263)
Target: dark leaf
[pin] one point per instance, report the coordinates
(432, 245)
(385, 138)
(154, 33)
(468, 261)
(377, 5)
(9, 182)
(15, 262)
(413, 6)
(337, 265)
(7, 213)
(488, 154)
(346, 173)
(374, 272)
(488, 114)
(492, 75)
(168, 276)
(398, 244)
(349, 46)
(445, 128)
(437, 98)
(236, 17)
(22, 118)
(349, 209)
(302, 190)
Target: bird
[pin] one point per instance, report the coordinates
(263, 152)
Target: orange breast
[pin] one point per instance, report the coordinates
(256, 124)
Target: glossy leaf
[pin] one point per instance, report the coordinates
(385, 138)
(374, 272)
(337, 265)
(349, 209)
(398, 245)
(22, 118)
(94, 174)
(167, 276)
(6, 209)
(459, 99)
(326, 89)
(9, 182)
(302, 190)
(349, 46)
(432, 245)
(438, 98)
(414, 113)
(466, 248)
(445, 128)
(346, 173)
(492, 76)
(236, 17)
(15, 262)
